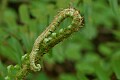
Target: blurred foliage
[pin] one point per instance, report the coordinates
(93, 53)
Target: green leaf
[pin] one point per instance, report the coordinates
(115, 8)
(72, 52)
(27, 41)
(17, 48)
(10, 51)
(24, 13)
(89, 30)
(42, 76)
(58, 53)
(100, 71)
(115, 61)
(3, 70)
(1, 78)
(105, 50)
(10, 18)
(84, 68)
(81, 76)
(40, 13)
(114, 5)
(61, 5)
(67, 77)
(12, 71)
(117, 34)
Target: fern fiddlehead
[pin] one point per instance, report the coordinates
(76, 23)
(47, 40)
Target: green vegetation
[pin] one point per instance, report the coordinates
(93, 53)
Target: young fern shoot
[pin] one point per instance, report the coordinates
(47, 40)
(76, 23)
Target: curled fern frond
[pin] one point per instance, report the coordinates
(47, 40)
(44, 37)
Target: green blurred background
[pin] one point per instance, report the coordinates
(93, 53)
